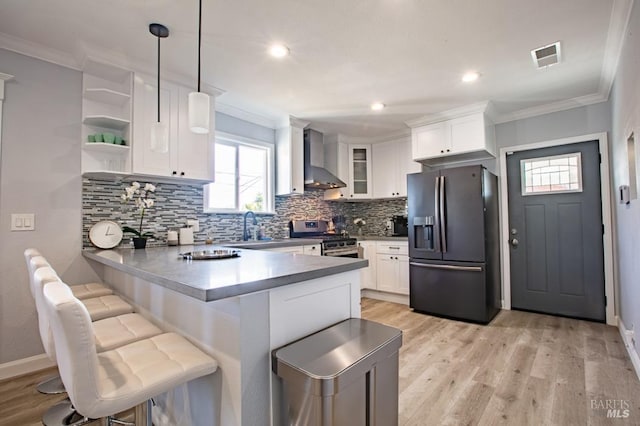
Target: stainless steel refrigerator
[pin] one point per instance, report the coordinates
(453, 243)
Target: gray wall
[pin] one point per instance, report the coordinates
(40, 173)
(626, 117)
(574, 122)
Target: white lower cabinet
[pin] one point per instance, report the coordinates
(368, 275)
(312, 250)
(392, 264)
(292, 249)
(403, 274)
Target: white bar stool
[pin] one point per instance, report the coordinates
(81, 291)
(105, 305)
(103, 384)
(108, 334)
(100, 307)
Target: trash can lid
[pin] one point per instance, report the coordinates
(330, 352)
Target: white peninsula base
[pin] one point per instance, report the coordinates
(240, 332)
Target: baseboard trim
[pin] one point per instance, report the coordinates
(387, 297)
(23, 366)
(626, 338)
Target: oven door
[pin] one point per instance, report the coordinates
(341, 252)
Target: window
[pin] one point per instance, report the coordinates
(547, 175)
(243, 177)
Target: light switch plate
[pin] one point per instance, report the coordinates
(23, 222)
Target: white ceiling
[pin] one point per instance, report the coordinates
(345, 54)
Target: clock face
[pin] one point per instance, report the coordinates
(105, 234)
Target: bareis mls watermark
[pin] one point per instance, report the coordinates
(612, 408)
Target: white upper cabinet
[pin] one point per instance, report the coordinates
(195, 158)
(360, 172)
(430, 141)
(466, 137)
(290, 158)
(106, 108)
(391, 164)
(190, 156)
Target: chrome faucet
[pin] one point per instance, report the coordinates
(245, 234)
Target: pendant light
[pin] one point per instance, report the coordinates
(159, 130)
(199, 103)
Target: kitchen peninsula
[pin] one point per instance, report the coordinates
(238, 310)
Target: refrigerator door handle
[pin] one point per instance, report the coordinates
(448, 267)
(443, 218)
(436, 197)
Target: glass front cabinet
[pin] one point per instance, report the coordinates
(360, 171)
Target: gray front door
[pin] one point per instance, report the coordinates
(555, 231)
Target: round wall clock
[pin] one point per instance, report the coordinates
(105, 234)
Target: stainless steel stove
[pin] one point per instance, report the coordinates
(332, 244)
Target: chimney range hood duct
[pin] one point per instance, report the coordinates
(315, 175)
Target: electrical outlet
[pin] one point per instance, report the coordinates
(194, 223)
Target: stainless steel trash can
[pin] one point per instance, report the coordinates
(346, 374)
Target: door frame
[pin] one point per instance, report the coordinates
(607, 202)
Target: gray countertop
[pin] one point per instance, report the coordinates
(209, 280)
(267, 244)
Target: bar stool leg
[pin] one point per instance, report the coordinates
(63, 414)
(51, 386)
(142, 416)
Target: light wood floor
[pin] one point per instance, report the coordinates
(522, 369)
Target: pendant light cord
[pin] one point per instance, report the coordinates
(158, 79)
(199, 40)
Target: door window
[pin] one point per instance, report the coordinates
(548, 175)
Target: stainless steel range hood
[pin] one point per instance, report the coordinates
(315, 175)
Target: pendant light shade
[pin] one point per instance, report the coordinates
(199, 103)
(159, 138)
(159, 131)
(199, 112)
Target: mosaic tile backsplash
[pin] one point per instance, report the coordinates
(175, 203)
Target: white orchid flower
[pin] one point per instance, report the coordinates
(135, 185)
(148, 203)
(149, 187)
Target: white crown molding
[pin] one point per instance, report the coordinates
(48, 54)
(35, 50)
(249, 116)
(618, 24)
(3, 77)
(296, 122)
(449, 114)
(400, 134)
(549, 108)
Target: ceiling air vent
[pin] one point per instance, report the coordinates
(547, 55)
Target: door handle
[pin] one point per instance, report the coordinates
(448, 267)
(514, 242)
(443, 218)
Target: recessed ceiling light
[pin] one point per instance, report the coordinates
(470, 76)
(377, 106)
(278, 51)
